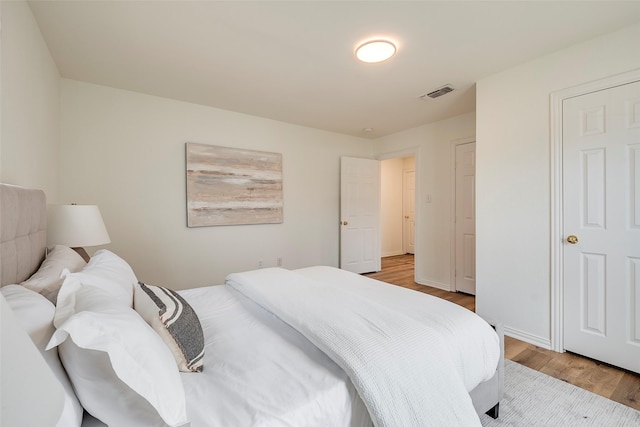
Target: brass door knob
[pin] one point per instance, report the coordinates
(572, 239)
(406, 217)
(345, 223)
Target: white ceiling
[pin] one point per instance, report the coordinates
(293, 61)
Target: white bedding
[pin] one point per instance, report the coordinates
(474, 345)
(259, 371)
(398, 360)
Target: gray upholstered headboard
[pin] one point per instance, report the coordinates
(23, 235)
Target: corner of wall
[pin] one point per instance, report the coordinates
(30, 103)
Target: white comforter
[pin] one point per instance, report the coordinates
(260, 372)
(474, 345)
(401, 363)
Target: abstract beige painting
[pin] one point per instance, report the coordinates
(230, 186)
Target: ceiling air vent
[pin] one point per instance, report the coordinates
(438, 92)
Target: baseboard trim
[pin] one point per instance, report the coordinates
(443, 286)
(396, 253)
(527, 337)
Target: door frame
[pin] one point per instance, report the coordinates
(415, 152)
(557, 226)
(452, 220)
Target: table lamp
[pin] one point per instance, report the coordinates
(76, 226)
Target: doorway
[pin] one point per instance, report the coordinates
(399, 212)
(397, 207)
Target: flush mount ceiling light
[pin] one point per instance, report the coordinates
(375, 51)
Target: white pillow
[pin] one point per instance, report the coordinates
(35, 314)
(121, 370)
(46, 280)
(175, 321)
(110, 273)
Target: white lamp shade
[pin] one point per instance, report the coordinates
(75, 226)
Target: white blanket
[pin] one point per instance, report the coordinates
(402, 368)
(473, 343)
(260, 372)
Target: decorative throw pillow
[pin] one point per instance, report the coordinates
(110, 273)
(121, 370)
(35, 314)
(46, 281)
(175, 321)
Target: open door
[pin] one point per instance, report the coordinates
(359, 215)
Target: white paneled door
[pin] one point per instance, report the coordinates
(360, 215)
(409, 211)
(465, 185)
(601, 223)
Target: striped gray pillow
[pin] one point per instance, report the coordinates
(175, 321)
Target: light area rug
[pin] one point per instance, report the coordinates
(532, 398)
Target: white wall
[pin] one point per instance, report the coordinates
(391, 207)
(433, 177)
(513, 177)
(29, 139)
(124, 151)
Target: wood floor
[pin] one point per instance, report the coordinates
(613, 383)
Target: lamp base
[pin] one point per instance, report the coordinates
(85, 256)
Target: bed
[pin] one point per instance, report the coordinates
(316, 346)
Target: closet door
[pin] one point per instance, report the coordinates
(601, 222)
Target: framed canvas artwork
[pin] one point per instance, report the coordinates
(231, 186)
